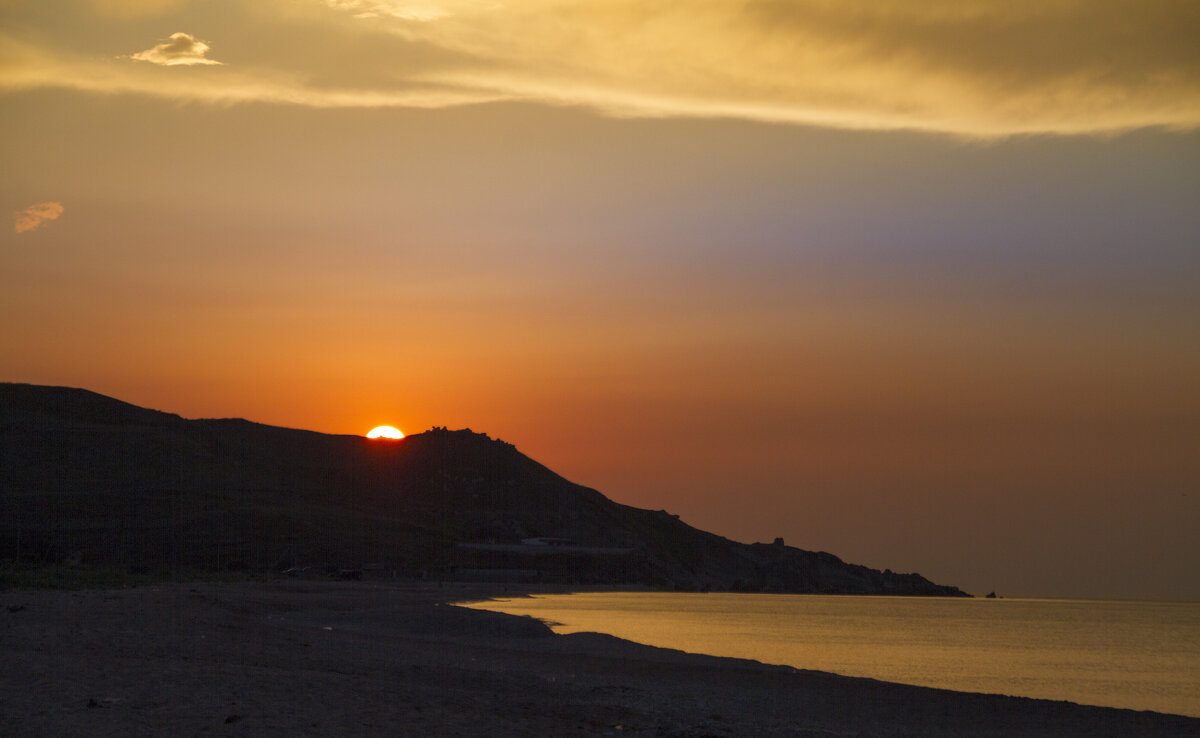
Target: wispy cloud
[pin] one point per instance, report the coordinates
(968, 67)
(34, 68)
(34, 216)
(975, 67)
(181, 49)
(133, 8)
(406, 11)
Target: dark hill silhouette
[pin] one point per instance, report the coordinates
(92, 480)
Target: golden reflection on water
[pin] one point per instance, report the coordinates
(1138, 655)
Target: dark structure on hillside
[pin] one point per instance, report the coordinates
(91, 480)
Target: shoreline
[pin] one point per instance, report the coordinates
(363, 658)
(944, 643)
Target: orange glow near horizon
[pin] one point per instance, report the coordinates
(385, 431)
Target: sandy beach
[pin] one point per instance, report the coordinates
(348, 659)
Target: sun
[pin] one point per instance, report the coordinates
(385, 431)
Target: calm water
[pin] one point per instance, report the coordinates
(1140, 655)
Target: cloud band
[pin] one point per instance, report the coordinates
(980, 68)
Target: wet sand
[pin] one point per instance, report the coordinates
(359, 659)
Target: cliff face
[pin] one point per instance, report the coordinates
(91, 479)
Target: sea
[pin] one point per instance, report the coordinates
(1136, 655)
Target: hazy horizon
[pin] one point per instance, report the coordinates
(914, 284)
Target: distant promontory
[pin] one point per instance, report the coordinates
(91, 481)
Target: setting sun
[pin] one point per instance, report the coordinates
(385, 431)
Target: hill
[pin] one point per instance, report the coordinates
(94, 481)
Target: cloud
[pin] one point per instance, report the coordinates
(179, 49)
(33, 69)
(32, 217)
(975, 68)
(972, 67)
(406, 11)
(133, 8)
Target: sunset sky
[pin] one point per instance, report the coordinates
(916, 283)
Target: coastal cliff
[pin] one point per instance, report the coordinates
(88, 480)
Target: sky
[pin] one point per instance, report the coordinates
(915, 283)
